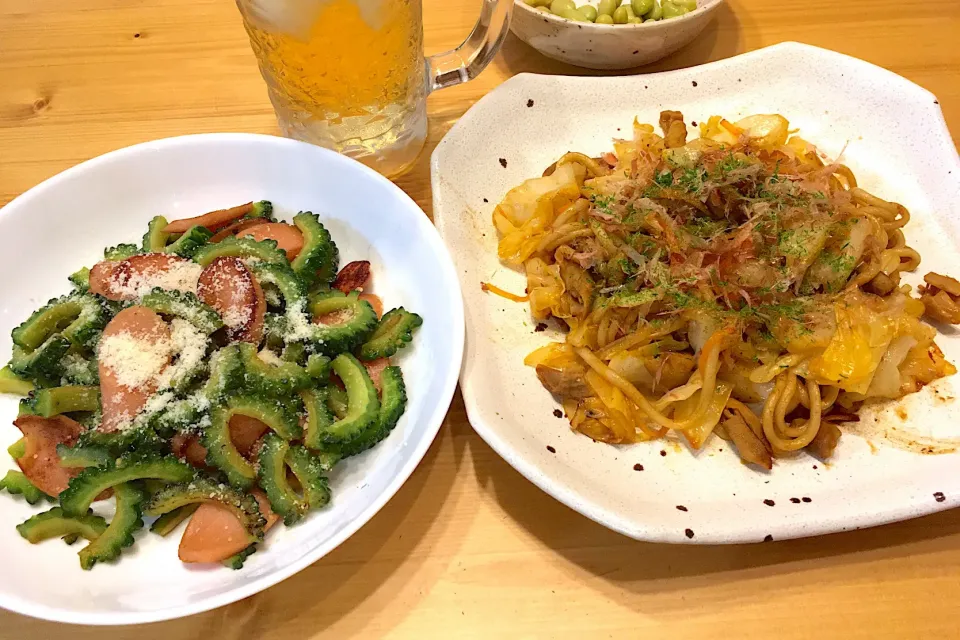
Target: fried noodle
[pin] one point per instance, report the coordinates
(734, 283)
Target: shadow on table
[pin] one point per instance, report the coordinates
(623, 568)
(367, 570)
(720, 39)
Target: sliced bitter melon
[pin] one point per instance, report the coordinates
(318, 261)
(80, 318)
(85, 487)
(187, 245)
(236, 561)
(17, 484)
(345, 321)
(337, 401)
(74, 369)
(261, 209)
(80, 279)
(394, 332)
(318, 368)
(43, 363)
(287, 283)
(120, 252)
(221, 452)
(155, 239)
(119, 533)
(363, 405)
(12, 383)
(272, 475)
(81, 457)
(318, 416)
(226, 374)
(264, 250)
(18, 449)
(141, 437)
(55, 524)
(168, 522)
(181, 415)
(186, 305)
(294, 352)
(393, 402)
(201, 490)
(277, 380)
(309, 471)
(57, 400)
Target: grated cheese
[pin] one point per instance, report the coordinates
(191, 346)
(134, 361)
(178, 276)
(298, 325)
(269, 357)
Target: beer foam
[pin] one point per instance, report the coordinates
(294, 17)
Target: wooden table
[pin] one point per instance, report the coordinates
(469, 548)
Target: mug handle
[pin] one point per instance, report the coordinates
(476, 52)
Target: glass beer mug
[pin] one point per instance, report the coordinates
(350, 75)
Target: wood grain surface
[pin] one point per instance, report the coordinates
(468, 548)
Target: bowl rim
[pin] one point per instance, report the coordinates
(708, 6)
(434, 415)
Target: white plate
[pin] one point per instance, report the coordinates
(64, 223)
(892, 135)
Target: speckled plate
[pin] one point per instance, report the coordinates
(892, 134)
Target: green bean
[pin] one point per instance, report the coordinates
(640, 7)
(620, 15)
(689, 5)
(557, 6)
(604, 19)
(589, 11)
(655, 13)
(671, 10)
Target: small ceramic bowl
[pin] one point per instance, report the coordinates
(602, 46)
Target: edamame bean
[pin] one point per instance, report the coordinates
(573, 14)
(557, 6)
(604, 19)
(544, 10)
(620, 15)
(635, 21)
(630, 12)
(689, 5)
(589, 11)
(670, 10)
(641, 7)
(606, 7)
(655, 13)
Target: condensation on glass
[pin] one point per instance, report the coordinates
(350, 75)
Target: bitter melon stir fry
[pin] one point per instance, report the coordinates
(216, 372)
(733, 284)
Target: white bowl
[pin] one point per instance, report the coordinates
(839, 103)
(64, 223)
(602, 46)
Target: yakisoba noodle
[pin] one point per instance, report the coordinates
(734, 284)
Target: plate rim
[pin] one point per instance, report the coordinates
(434, 419)
(570, 496)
